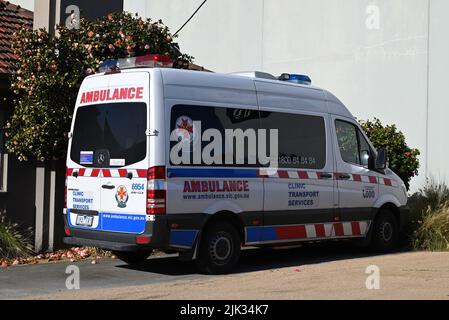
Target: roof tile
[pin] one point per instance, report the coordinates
(12, 19)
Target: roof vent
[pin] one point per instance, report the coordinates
(255, 74)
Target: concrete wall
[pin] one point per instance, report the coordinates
(438, 141)
(27, 4)
(382, 58)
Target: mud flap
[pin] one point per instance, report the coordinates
(192, 254)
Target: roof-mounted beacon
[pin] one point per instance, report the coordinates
(296, 78)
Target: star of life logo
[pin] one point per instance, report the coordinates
(121, 196)
(184, 124)
(228, 146)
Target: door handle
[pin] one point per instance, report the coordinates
(344, 177)
(326, 175)
(107, 186)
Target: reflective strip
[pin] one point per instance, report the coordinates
(228, 173)
(355, 228)
(388, 182)
(311, 231)
(107, 173)
(307, 231)
(316, 175)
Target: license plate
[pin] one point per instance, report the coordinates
(84, 221)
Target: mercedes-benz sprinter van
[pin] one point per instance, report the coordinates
(203, 163)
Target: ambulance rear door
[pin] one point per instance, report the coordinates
(109, 154)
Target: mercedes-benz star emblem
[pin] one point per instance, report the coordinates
(101, 159)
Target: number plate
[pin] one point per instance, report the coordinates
(85, 221)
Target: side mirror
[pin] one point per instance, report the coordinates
(381, 159)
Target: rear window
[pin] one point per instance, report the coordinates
(109, 135)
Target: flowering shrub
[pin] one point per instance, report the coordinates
(402, 159)
(50, 72)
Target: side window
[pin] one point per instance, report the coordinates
(347, 141)
(210, 120)
(352, 144)
(301, 139)
(365, 150)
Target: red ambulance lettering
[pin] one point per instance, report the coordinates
(139, 93)
(134, 93)
(123, 93)
(116, 95)
(96, 96)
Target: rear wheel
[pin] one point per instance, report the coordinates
(385, 233)
(219, 249)
(133, 258)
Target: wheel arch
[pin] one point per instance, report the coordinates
(394, 209)
(228, 216)
(390, 202)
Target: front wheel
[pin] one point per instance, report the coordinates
(385, 232)
(133, 258)
(219, 249)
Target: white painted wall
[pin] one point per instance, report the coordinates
(27, 4)
(376, 72)
(438, 137)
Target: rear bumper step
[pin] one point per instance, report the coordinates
(157, 233)
(108, 245)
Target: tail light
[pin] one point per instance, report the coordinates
(143, 240)
(156, 191)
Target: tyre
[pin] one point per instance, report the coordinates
(133, 258)
(385, 232)
(219, 250)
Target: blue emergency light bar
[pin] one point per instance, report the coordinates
(296, 78)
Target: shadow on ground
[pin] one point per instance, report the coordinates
(258, 259)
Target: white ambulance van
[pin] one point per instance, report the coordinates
(155, 162)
